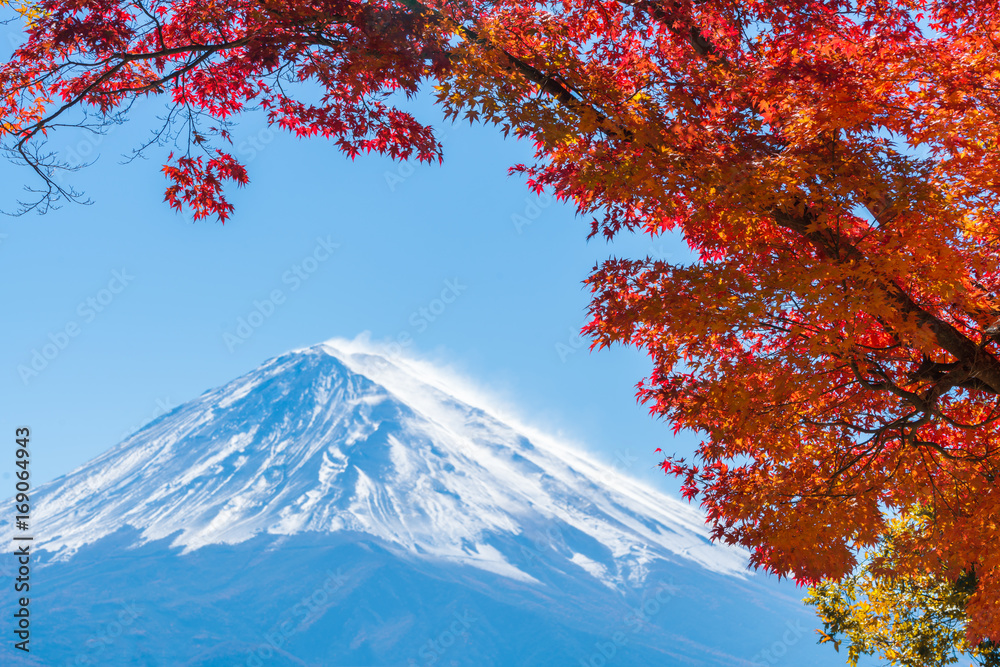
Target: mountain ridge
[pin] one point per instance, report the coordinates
(338, 508)
(309, 441)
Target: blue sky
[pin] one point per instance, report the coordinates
(318, 247)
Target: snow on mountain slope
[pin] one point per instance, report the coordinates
(336, 437)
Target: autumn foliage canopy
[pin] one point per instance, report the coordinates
(834, 164)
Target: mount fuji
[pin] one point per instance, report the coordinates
(341, 507)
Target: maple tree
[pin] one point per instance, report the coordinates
(833, 164)
(910, 621)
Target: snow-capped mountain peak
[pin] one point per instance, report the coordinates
(341, 438)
